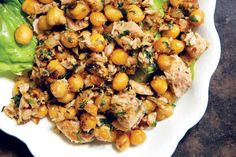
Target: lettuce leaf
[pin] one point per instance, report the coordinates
(158, 5)
(14, 58)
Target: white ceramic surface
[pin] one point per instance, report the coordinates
(161, 141)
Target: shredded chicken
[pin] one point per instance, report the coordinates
(140, 88)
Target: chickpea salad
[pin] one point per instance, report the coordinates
(106, 69)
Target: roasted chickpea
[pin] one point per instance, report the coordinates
(55, 67)
(68, 97)
(164, 62)
(80, 11)
(70, 113)
(119, 57)
(173, 32)
(103, 102)
(122, 142)
(59, 88)
(170, 97)
(30, 6)
(149, 106)
(164, 112)
(103, 133)
(162, 45)
(23, 34)
(46, 1)
(97, 42)
(197, 17)
(88, 121)
(69, 39)
(96, 5)
(137, 137)
(113, 14)
(55, 16)
(159, 84)
(60, 56)
(42, 111)
(43, 24)
(177, 46)
(53, 112)
(176, 3)
(134, 13)
(120, 81)
(76, 82)
(91, 109)
(97, 19)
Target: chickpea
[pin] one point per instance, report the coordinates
(159, 84)
(96, 5)
(177, 46)
(162, 45)
(43, 24)
(76, 82)
(69, 39)
(60, 56)
(80, 11)
(68, 97)
(134, 13)
(164, 62)
(103, 102)
(45, 1)
(173, 32)
(149, 106)
(23, 34)
(122, 142)
(120, 81)
(164, 112)
(176, 3)
(54, 66)
(53, 112)
(97, 19)
(170, 97)
(113, 14)
(91, 109)
(59, 88)
(197, 17)
(137, 137)
(30, 6)
(88, 121)
(55, 16)
(119, 57)
(70, 113)
(97, 42)
(103, 133)
(42, 111)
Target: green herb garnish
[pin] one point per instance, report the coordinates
(108, 37)
(17, 100)
(126, 32)
(193, 19)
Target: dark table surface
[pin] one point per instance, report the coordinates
(215, 134)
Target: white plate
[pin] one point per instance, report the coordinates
(161, 141)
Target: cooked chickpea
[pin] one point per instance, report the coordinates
(80, 11)
(88, 121)
(173, 32)
(134, 13)
(97, 18)
(59, 88)
(119, 57)
(113, 14)
(60, 56)
(122, 142)
(103, 133)
(170, 97)
(97, 42)
(70, 113)
(53, 112)
(162, 45)
(197, 17)
(43, 24)
(164, 62)
(69, 39)
(177, 46)
(120, 81)
(149, 106)
(137, 137)
(45, 1)
(164, 112)
(68, 97)
(103, 102)
(42, 111)
(76, 82)
(91, 109)
(55, 67)
(30, 6)
(159, 84)
(55, 16)
(176, 3)
(23, 34)
(96, 5)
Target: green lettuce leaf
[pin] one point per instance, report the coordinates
(14, 58)
(158, 5)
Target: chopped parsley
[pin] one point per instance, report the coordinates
(83, 104)
(173, 105)
(120, 114)
(193, 19)
(166, 43)
(154, 124)
(70, 40)
(123, 11)
(126, 32)
(17, 100)
(104, 121)
(45, 52)
(108, 37)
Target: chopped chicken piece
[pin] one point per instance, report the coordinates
(140, 88)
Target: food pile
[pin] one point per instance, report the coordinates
(106, 69)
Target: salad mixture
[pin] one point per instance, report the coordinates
(103, 69)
